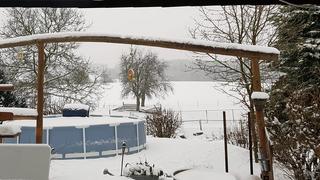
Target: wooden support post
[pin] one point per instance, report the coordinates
(40, 95)
(250, 144)
(225, 141)
(263, 141)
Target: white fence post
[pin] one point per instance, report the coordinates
(138, 142)
(116, 137)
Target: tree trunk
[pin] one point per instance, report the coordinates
(143, 99)
(137, 103)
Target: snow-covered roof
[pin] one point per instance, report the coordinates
(9, 129)
(232, 49)
(76, 106)
(259, 95)
(20, 111)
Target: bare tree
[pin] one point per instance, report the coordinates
(234, 24)
(68, 77)
(149, 77)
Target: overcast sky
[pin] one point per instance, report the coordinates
(158, 22)
(155, 22)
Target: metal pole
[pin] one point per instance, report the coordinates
(263, 145)
(40, 95)
(225, 141)
(124, 145)
(207, 116)
(200, 125)
(250, 144)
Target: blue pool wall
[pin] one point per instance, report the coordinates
(92, 141)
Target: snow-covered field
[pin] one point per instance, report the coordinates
(187, 95)
(198, 152)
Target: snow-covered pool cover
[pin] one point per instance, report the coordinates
(227, 46)
(259, 95)
(76, 106)
(20, 111)
(6, 129)
(203, 174)
(49, 122)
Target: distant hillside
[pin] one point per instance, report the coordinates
(182, 70)
(178, 70)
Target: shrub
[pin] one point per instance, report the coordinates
(163, 123)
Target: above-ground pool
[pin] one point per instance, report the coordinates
(85, 137)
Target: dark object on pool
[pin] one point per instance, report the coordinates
(75, 110)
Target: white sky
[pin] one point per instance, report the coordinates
(158, 22)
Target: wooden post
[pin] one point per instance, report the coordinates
(225, 141)
(250, 144)
(40, 95)
(263, 141)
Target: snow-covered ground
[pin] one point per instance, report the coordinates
(168, 154)
(197, 152)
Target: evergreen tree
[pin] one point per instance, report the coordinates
(8, 99)
(294, 108)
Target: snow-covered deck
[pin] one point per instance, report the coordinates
(20, 111)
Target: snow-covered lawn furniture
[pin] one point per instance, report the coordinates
(24, 161)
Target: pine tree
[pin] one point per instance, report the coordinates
(294, 107)
(8, 99)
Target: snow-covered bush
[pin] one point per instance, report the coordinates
(163, 123)
(143, 169)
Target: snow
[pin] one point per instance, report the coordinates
(203, 174)
(259, 95)
(24, 161)
(9, 129)
(169, 155)
(114, 37)
(20, 111)
(49, 122)
(6, 85)
(76, 106)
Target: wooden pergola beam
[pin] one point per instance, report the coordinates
(229, 49)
